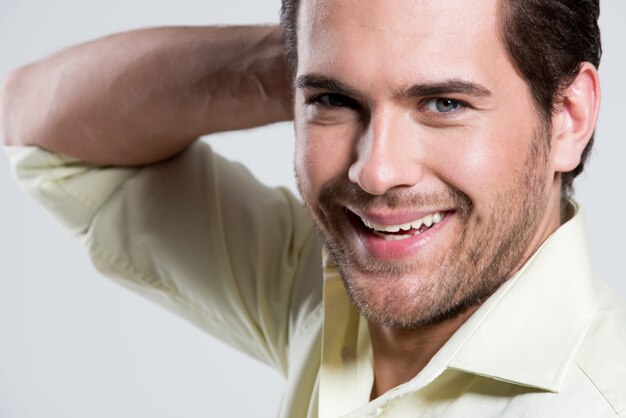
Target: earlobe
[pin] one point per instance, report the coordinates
(575, 121)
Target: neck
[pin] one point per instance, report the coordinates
(400, 354)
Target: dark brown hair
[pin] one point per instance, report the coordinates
(547, 41)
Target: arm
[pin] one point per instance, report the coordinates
(195, 233)
(142, 96)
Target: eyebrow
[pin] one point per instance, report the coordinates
(313, 81)
(453, 86)
(445, 87)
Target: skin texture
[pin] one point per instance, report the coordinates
(373, 142)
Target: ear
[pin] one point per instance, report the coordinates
(575, 121)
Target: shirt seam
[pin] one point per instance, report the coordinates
(76, 194)
(63, 186)
(613, 407)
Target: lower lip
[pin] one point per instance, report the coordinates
(381, 248)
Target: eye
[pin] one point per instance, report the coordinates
(334, 100)
(443, 105)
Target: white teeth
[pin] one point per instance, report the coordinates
(388, 237)
(427, 220)
(406, 227)
(417, 224)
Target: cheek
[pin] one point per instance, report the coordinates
(322, 155)
(484, 162)
(496, 156)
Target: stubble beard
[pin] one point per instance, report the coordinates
(488, 251)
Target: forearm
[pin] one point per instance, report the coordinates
(142, 96)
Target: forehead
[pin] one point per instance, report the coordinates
(398, 41)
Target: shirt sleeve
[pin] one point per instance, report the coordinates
(197, 234)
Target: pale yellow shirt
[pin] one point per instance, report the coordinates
(200, 236)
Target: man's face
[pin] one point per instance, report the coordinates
(419, 153)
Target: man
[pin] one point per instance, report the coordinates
(434, 156)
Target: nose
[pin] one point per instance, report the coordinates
(386, 154)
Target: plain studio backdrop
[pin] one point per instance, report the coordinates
(75, 345)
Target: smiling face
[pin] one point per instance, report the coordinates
(419, 153)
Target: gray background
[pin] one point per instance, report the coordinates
(73, 344)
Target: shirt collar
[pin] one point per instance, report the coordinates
(550, 298)
(528, 331)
